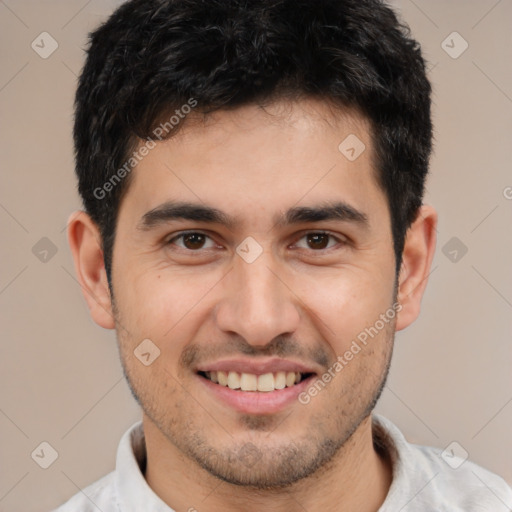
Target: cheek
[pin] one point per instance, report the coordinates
(141, 293)
(163, 305)
(345, 303)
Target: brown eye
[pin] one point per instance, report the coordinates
(194, 240)
(317, 240)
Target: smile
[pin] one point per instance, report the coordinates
(251, 382)
(250, 393)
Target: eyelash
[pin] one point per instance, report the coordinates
(185, 233)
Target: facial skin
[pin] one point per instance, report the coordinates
(302, 300)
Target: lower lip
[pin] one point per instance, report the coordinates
(257, 402)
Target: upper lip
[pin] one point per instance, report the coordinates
(257, 367)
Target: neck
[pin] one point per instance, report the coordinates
(357, 478)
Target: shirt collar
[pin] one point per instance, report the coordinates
(388, 437)
(133, 492)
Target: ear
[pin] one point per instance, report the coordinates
(417, 256)
(85, 243)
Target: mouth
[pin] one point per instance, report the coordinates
(255, 386)
(251, 382)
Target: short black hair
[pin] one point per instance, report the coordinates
(153, 57)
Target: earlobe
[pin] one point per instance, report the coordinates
(85, 243)
(417, 256)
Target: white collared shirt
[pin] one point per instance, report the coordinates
(422, 480)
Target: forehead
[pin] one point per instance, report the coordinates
(262, 159)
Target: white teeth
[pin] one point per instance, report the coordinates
(290, 379)
(251, 382)
(266, 382)
(280, 380)
(233, 380)
(248, 382)
(223, 378)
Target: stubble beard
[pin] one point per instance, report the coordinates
(260, 464)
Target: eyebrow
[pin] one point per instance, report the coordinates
(339, 210)
(171, 210)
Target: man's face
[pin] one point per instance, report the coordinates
(293, 296)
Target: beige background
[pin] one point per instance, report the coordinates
(60, 378)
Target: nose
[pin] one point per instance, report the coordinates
(257, 304)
